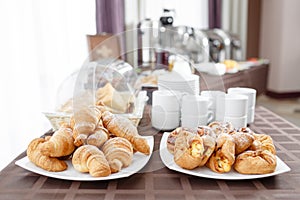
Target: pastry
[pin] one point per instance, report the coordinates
(123, 127)
(118, 152)
(188, 150)
(242, 140)
(99, 137)
(61, 143)
(221, 127)
(263, 142)
(172, 138)
(45, 162)
(224, 155)
(88, 158)
(209, 144)
(255, 162)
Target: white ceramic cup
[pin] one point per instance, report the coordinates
(250, 92)
(169, 100)
(250, 116)
(195, 105)
(237, 122)
(192, 121)
(164, 120)
(236, 105)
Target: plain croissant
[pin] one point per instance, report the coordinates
(123, 127)
(88, 158)
(118, 152)
(45, 162)
(61, 143)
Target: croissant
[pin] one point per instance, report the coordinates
(255, 162)
(61, 143)
(99, 137)
(188, 150)
(224, 155)
(45, 162)
(88, 158)
(123, 127)
(118, 152)
(84, 122)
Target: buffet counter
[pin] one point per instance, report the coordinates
(155, 181)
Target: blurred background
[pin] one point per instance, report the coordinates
(42, 42)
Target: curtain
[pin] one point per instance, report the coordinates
(215, 11)
(42, 42)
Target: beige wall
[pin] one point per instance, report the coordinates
(280, 43)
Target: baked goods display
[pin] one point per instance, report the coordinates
(96, 140)
(222, 148)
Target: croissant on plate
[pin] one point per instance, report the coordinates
(188, 150)
(99, 137)
(61, 143)
(88, 158)
(224, 155)
(255, 162)
(84, 122)
(123, 127)
(45, 162)
(118, 152)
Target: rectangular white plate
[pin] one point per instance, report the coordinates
(168, 160)
(139, 161)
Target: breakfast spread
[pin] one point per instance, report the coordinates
(222, 148)
(96, 140)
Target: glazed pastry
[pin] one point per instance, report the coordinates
(61, 143)
(84, 122)
(118, 152)
(99, 137)
(242, 140)
(263, 142)
(224, 155)
(172, 138)
(123, 127)
(209, 144)
(221, 127)
(188, 150)
(255, 162)
(45, 162)
(88, 158)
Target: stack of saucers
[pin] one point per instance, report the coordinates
(187, 83)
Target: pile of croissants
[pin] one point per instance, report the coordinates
(220, 147)
(98, 142)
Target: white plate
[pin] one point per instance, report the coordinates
(139, 161)
(168, 160)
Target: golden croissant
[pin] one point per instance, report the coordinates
(61, 143)
(88, 158)
(224, 155)
(45, 162)
(123, 127)
(118, 152)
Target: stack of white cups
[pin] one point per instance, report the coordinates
(165, 113)
(236, 110)
(217, 99)
(195, 111)
(251, 93)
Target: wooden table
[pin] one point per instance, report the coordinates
(156, 181)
